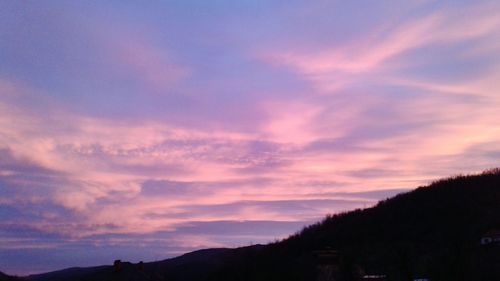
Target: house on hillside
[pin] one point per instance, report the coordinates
(491, 237)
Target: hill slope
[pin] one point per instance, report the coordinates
(197, 265)
(5, 277)
(432, 232)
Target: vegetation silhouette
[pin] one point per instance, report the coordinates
(432, 232)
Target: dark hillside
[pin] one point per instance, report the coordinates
(198, 265)
(5, 277)
(432, 232)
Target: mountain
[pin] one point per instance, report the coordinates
(197, 265)
(431, 232)
(5, 277)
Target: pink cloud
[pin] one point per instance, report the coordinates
(375, 56)
(93, 184)
(103, 163)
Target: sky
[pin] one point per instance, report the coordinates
(141, 130)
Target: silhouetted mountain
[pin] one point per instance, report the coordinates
(432, 232)
(73, 273)
(5, 277)
(197, 265)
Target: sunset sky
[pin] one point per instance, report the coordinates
(141, 130)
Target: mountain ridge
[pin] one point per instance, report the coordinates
(433, 231)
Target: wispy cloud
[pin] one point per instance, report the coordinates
(379, 54)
